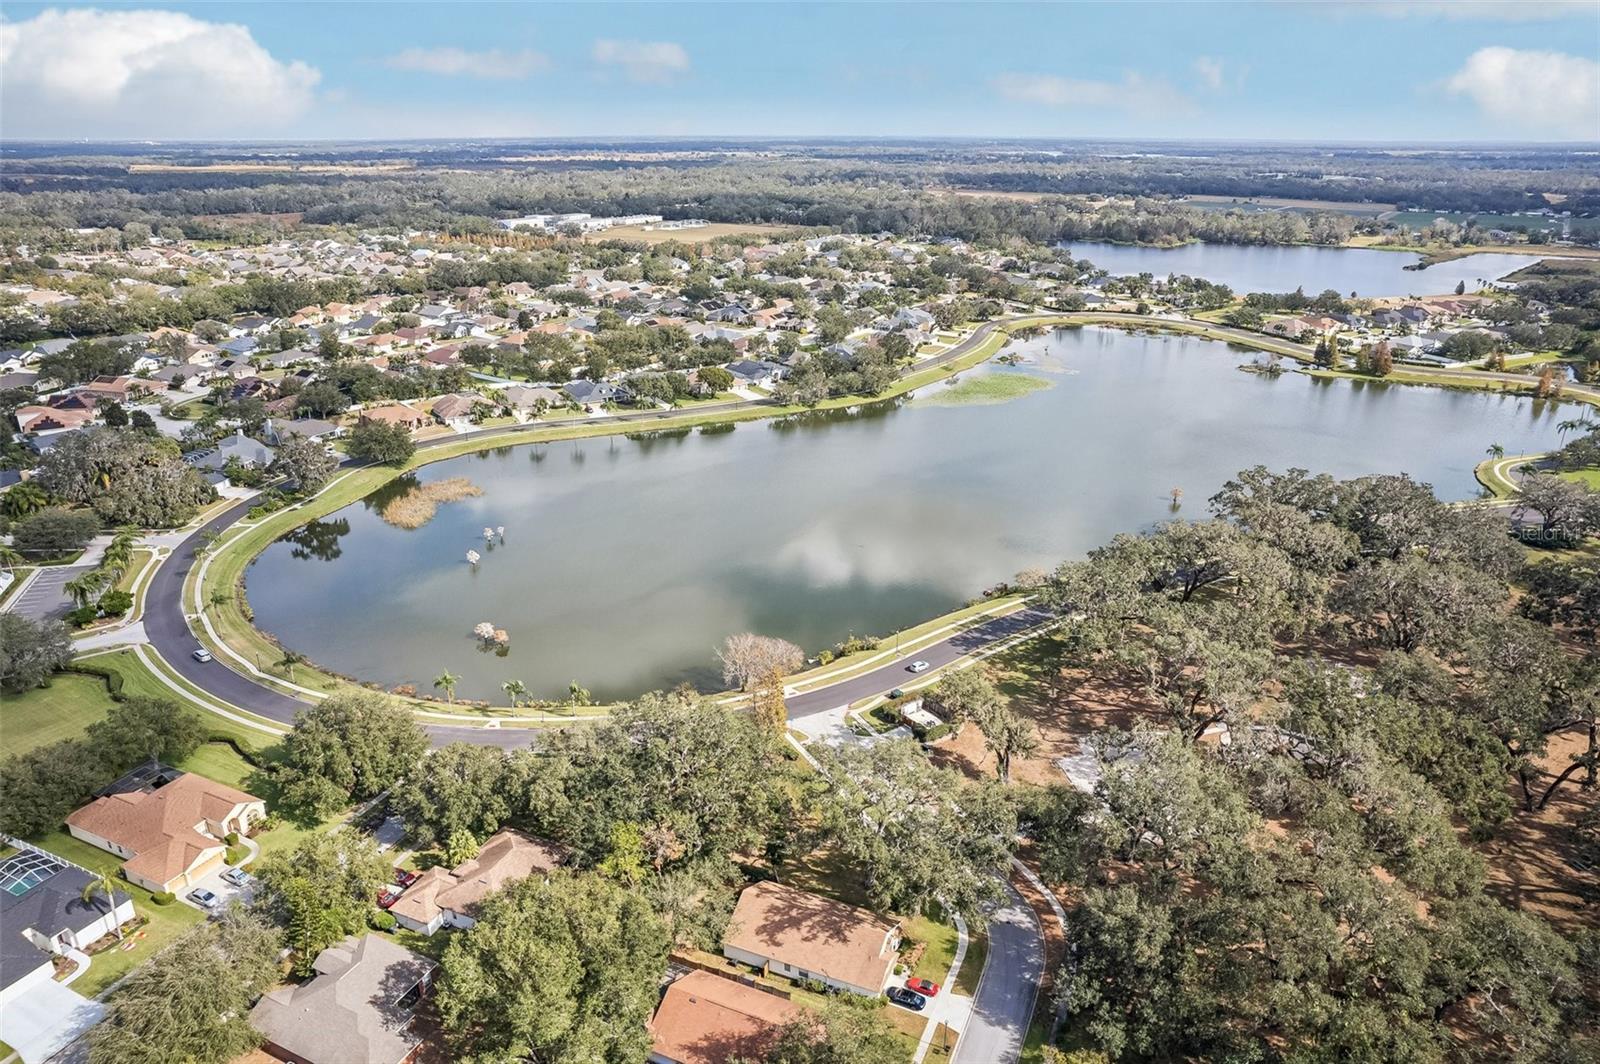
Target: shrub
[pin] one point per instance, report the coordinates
(381, 921)
(116, 603)
(83, 615)
(55, 531)
(163, 897)
(231, 838)
(938, 732)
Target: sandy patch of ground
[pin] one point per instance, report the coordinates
(1528, 860)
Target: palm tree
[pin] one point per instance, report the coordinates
(1495, 450)
(447, 680)
(290, 659)
(86, 588)
(516, 690)
(1576, 424)
(24, 499)
(102, 884)
(220, 598)
(9, 557)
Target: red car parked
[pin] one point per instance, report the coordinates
(925, 987)
(388, 896)
(404, 877)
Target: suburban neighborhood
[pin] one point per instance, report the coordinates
(889, 533)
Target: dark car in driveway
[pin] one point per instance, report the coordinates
(906, 999)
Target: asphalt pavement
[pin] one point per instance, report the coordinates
(1008, 988)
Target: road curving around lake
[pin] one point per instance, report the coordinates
(192, 602)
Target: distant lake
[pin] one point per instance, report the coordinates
(628, 561)
(1268, 268)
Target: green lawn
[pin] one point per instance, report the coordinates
(986, 389)
(972, 967)
(220, 762)
(49, 714)
(940, 938)
(139, 682)
(1590, 478)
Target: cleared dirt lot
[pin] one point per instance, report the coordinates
(688, 236)
(1528, 861)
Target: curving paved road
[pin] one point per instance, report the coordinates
(1009, 987)
(166, 621)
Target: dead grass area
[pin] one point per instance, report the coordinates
(699, 235)
(984, 193)
(1529, 859)
(267, 168)
(1346, 206)
(1055, 936)
(255, 1056)
(1065, 705)
(416, 507)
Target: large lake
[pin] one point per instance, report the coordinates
(1358, 271)
(626, 562)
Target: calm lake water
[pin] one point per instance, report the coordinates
(626, 562)
(1245, 268)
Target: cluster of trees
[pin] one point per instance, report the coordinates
(31, 651)
(381, 443)
(127, 477)
(1303, 888)
(39, 788)
(654, 806)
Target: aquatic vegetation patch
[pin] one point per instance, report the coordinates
(416, 507)
(985, 389)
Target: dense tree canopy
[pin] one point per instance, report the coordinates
(563, 969)
(348, 747)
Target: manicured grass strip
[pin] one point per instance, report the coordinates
(908, 640)
(972, 965)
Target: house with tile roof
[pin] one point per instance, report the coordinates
(359, 1006)
(443, 897)
(705, 1018)
(168, 825)
(800, 935)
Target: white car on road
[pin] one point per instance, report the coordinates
(202, 655)
(917, 666)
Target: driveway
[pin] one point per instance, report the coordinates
(1003, 1006)
(226, 892)
(42, 1020)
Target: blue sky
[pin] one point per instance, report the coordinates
(1406, 70)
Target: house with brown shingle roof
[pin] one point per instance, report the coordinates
(359, 1007)
(169, 827)
(409, 417)
(706, 1019)
(801, 935)
(442, 897)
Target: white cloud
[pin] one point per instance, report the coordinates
(136, 74)
(1211, 73)
(458, 62)
(650, 62)
(1533, 91)
(1135, 93)
(1467, 10)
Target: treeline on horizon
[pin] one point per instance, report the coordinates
(853, 188)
